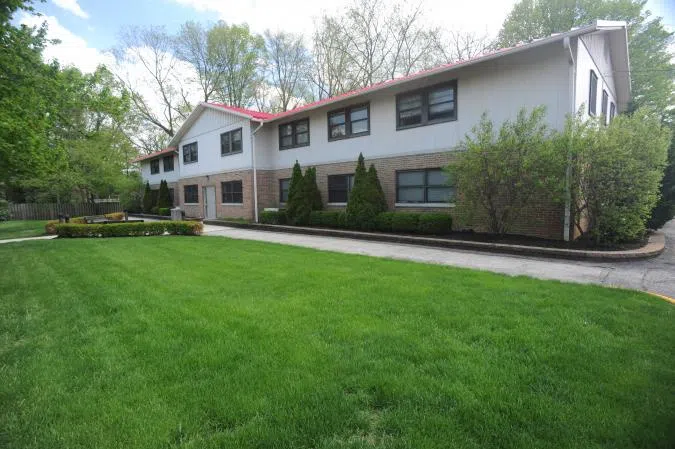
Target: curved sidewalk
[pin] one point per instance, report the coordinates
(654, 275)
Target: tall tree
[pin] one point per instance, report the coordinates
(159, 95)
(237, 53)
(192, 46)
(287, 69)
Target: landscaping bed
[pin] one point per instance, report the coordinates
(227, 343)
(129, 229)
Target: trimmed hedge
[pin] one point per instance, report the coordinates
(50, 227)
(407, 222)
(129, 229)
(430, 223)
(328, 218)
(273, 217)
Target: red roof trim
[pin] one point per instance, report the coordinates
(155, 154)
(258, 115)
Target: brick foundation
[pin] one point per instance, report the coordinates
(542, 219)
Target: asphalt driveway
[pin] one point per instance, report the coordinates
(655, 275)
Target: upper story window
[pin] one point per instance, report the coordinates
(190, 153)
(423, 186)
(232, 192)
(427, 106)
(154, 166)
(612, 111)
(168, 163)
(191, 194)
(284, 186)
(592, 93)
(339, 187)
(352, 121)
(230, 142)
(294, 134)
(604, 105)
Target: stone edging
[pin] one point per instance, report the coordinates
(655, 244)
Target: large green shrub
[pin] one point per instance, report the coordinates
(498, 174)
(615, 174)
(366, 199)
(273, 217)
(164, 198)
(384, 220)
(165, 211)
(129, 229)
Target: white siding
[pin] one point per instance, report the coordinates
(500, 87)
(206, 132)
(593, 53)
(155, 179)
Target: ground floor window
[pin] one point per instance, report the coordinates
(284, 185)
(339, 187)
(191, 193)
(423, 186)
(232, 192)
(171, 197)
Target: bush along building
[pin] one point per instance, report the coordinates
(233, 162)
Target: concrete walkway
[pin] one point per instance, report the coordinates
(655, 275)
(25, 239)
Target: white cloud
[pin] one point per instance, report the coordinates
(72, 50)
(480, 16)
(72, 6)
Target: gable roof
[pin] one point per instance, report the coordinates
(145, 157)
(619, 55)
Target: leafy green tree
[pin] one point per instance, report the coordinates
(365, 202)
(499, 173)
(148, 199)
(295, 194)
(235, 53)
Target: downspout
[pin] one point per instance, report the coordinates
(255, 172)
(568, 170)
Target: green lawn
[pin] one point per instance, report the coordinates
(205, 342)
(21, 228)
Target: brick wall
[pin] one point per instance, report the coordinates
(541, 219)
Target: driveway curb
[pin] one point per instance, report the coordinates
(655, 244)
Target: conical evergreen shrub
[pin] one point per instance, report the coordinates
(164, 199)
(295, 194)
(361, 211)
(377, 198)
(148, 199)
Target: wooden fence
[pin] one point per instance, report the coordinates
(51, 211)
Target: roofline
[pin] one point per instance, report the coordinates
(597, 25)
(168, 150)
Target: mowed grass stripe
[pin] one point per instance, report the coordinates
(210, 342)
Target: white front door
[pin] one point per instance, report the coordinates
(210, 203)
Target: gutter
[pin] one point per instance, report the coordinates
(255, 172)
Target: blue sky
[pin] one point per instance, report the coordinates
(87, 28)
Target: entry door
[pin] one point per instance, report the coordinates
(210, 202)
